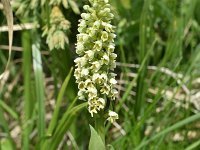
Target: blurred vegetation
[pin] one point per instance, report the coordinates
(158, 48)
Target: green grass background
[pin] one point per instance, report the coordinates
(158, 73)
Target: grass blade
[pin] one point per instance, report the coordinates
(193, 145)
(132, 83)
(58, 104)
(169, 129)
(64, 125)
(140, 90)
(39, 79)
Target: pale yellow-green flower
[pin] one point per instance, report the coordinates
(56, 32)
(96, 61)
(113, 116)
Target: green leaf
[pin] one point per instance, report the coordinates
(54, 119)
(63, 126)
(39, 87)
(96, 142)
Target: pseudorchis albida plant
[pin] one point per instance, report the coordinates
(97, 60)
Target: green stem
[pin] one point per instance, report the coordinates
(26, 43)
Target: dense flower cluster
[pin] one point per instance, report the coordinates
(56, 26)
(56, 31)
(96, 61)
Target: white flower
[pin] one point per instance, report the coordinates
(104, 77)
(111, 37)
(81, 29)
(105, 89)
(81, 85)
(88, 83)
(111, 47)
(86, 7)
(113, 94)
(108, 27)
(84, 72)
(79, 48)
(101, 103)
(77, 73)
(113, 81)
(77, 60)
(105, 59)
(82, 23)
(82, 37)
(99, 78)
(80, 61)
(92, 109)
(96, 77)
(112, 65)
(81, 94)
(104, 12)
(104, 36)
(85, 16)
(112, 116)
(97, 24)
(91, 31)
(95, 66)
(89, 54)
(113, 56)
(92, 91)
(98, 45)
